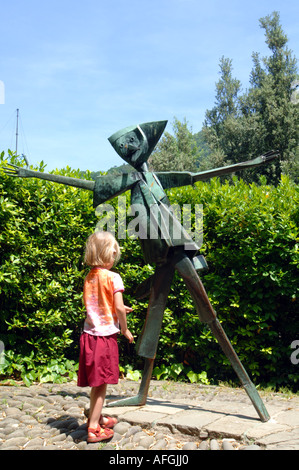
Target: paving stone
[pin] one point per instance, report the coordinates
(226, 445)
(133, 430)
(160, 445)
(13, 412)
(14, 442)
(147, 441)
(121, 428)
(214, 445)
(177, 416)
(204, 445)
(35, 442)
(190, 446)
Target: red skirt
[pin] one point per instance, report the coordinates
(99, 361)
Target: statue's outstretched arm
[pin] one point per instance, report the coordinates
(265, 158)
(172, 179)
(16, 171)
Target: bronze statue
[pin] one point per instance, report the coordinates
(167, 250)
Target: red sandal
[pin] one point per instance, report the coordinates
(111, 422)
(99, 434)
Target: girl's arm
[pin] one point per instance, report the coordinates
(121, 312)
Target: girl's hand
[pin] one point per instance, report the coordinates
(128, 309)
(127, 334)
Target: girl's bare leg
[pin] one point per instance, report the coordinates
(97, 397)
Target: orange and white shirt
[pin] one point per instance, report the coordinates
(100, 285)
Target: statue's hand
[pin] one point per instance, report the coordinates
(14, 170)
(265, 158)
(20, 172)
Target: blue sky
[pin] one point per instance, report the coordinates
(81, 70)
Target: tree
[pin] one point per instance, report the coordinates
(176, 152)
(219, 120)
(263, 118)
(226, 105)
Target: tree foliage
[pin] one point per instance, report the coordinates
(250, 243)
(43, 229)
(176, 152)
(264, 117)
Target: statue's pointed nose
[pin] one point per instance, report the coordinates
(133, 147)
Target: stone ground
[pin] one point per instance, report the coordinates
(177, 417)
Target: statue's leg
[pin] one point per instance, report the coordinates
(148, 341)
(207, 314)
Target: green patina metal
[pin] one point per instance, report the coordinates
(135, 144)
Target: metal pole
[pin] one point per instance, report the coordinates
(17, 131)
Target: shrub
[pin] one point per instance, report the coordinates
(250, 243)
(43, 230)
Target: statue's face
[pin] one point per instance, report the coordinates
(135, 144)
(131, 146)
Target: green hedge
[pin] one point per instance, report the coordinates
(251, 245)
(43, 230)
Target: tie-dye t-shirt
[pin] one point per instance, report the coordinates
(98, 295)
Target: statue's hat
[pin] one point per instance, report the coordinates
(135, 143)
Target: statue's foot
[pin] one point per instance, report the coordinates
(137, 400)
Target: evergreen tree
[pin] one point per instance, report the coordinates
(176, 152)
(263, 118)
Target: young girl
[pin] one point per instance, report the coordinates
(105, 317)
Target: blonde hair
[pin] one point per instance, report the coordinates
(101, 249)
